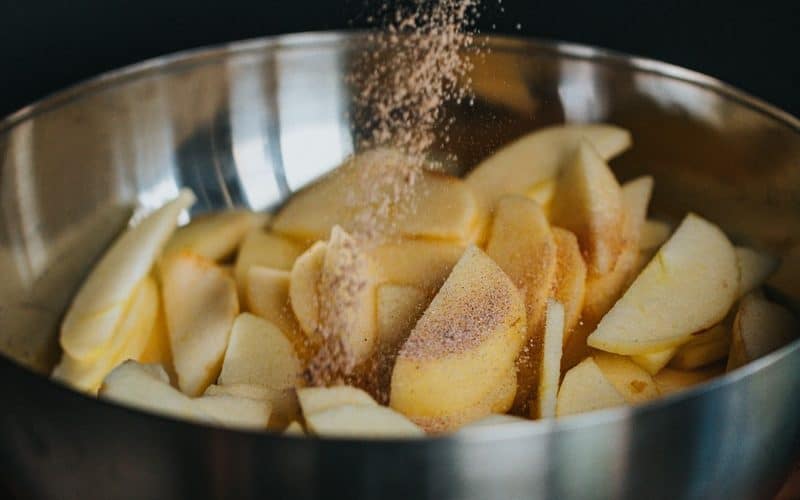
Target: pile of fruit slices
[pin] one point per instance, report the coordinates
(536, 286)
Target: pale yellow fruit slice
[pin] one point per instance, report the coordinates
(653, 362)
(233, 411)
(630, 380)
(362, 422)
(760, 327)
(542, 193)
(670, 381)
(259, 354)
(585, 388)
(463, 349)
(267, 296)
(443, 207)
(200, 305)
(550, 371)
(399, 308)
(303, 285)
(570, 278)
(522, 244)
(128, 342)
(261, 248)
(214, 236)
(97, 308)
(157, 350)
(754, 268)
(285, 407)
(705, 348)
(419, 263)
(588, 202)
(538, 156)
(689, 285)
(654, 234)
(294, 429)
(318, 399)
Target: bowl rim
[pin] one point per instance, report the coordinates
(506, 43)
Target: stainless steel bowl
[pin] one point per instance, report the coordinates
(247, 124)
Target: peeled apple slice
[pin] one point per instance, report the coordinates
(99, 304)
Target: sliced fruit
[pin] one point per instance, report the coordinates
(537, 157)
(444, 207)
(670, 381)
(294, 429)
(628, 378)
(653, 362)
(98, 306)
(458, 361)
(570, 278)
(705, 348)
(214, 236)
(157, 350)
(233, 411)
(128, 342)
(760, 327)
(550, 371)
(654, 234)
(542, 193)
(267, 296)
(362, 422)
(661, 308)
(303, 284)
(261, 248)
(754, 268)
(259, 354)
(285, 407)
(419, 263)
(318, 399)
(522, 244)
(399, 308)
(200, 305)
(585, 388)
(588, 202)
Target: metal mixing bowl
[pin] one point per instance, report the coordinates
(247, 124)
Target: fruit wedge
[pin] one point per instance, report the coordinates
(318, 399)
(670, 381)
(542, 193)
(358, 421)
(754, 268)
(522, 244)
(303, 285)
(423, 264)
(585, 388)
(458, 362)
(537, 157)
(689, 285)
(262, 248)
(233, 411)
(628, 378)
(215, 236)
(200, 305)
(760, 327)
(550, 371)
(570, 278)
(259, 354)
(588, 202)
(283, 402)
(98, 306)
(653, 362)
(157, 350)
(399, 308)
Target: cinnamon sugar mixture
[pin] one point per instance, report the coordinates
(416, 64)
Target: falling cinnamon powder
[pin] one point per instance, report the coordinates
(414, 66)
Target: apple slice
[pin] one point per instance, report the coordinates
(754, 268)
(570, 278)
(318, 399)
(399, 308)
(537, 157)
(585, 388)
(157, 350)
(550, 371)
(630, 380)
(420, 263)
(267, 296)
(200, 305)
(542, 193)
(215, 236)
(233, 411)
(294, 429)
(443, 207)
(653, 362)
(259, 354)
(98, 306)
(689, 285)
(759, 328)
(284, 404)
(522, 244)
(670, 381)
(261, 248)
(588, 202)
(705, 348)
(128, 342)
(459, 359)
(358, 421)
(654, 234)
(303, 284)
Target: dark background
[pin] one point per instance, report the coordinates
(46, 45)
